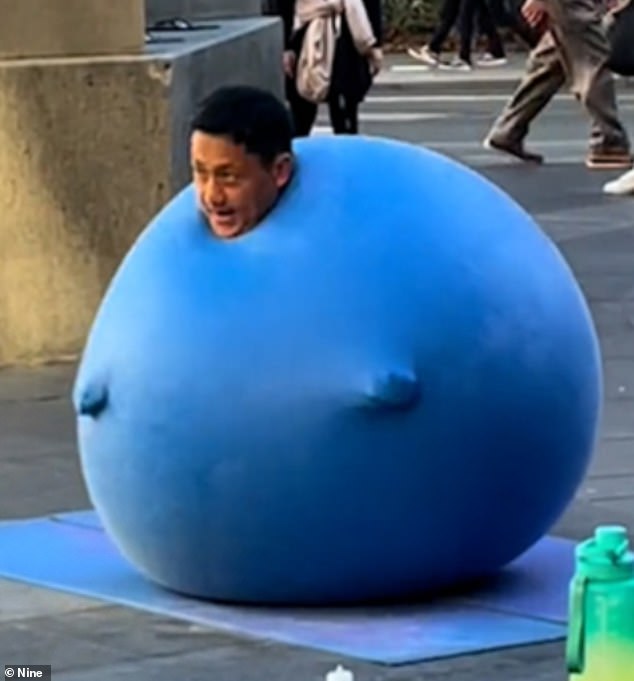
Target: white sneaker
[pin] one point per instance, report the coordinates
(488, 59)
(425, 55)
(456, 64)
(622, 186)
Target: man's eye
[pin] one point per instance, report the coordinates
(228, 178)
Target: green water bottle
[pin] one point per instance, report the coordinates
(600, 644)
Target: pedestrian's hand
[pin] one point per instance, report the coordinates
(535, 13)
(375, 59)
(289, 61)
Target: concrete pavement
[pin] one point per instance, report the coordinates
(85, 640)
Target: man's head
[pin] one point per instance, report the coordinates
(241, 157)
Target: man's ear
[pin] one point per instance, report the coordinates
(283, 169)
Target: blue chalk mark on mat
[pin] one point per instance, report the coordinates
(527, 604)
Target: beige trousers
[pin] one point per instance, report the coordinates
(575, 50)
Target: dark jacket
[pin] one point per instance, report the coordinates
(351, 75)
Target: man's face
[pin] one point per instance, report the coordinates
(235, 189)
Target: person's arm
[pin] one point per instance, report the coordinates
(285, 9)
(374, 10)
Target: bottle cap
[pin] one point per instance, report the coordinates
(606, 556)
(611, 538)
(340, 674)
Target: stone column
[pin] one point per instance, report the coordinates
(93, 142)
(63, 28)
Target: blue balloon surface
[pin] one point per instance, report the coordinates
(391, 386)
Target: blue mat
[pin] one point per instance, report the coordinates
(526, 604)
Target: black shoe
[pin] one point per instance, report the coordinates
(515, 149)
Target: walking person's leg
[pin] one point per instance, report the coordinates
(466, 21)
(498, 11)
(495, 54)
(543, 78)
(585, 49)
(430, 53)
(344, 115)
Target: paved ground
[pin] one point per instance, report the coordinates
(85, 641)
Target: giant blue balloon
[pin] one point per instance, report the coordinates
(391, 386)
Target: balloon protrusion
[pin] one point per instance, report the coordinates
(93, 400)
(394, 390)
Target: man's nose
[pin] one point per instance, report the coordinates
(213, 192)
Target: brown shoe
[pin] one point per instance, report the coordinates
(609, 159)
(515, 149)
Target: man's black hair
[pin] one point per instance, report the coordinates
(247, 116)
